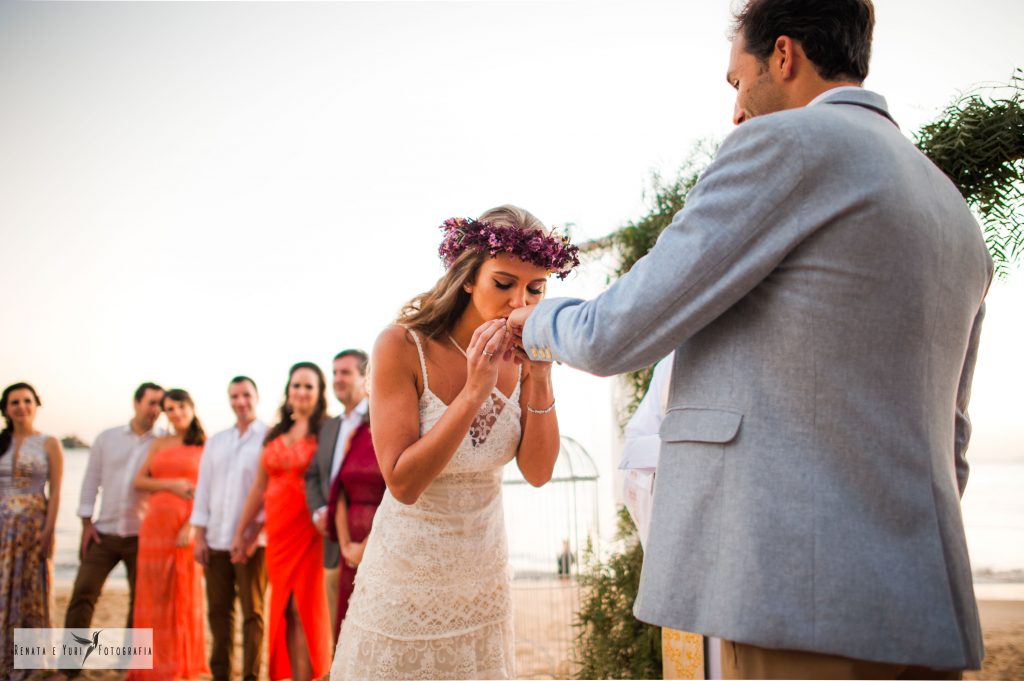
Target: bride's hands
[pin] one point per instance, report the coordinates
(490, 345)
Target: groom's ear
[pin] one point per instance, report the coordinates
(785, 55)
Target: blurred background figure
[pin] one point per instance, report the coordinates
(357, 485)
(565, 560)
(114, 458)
(331, 453)
(299, 623)
(168, 587)
(28, 461)
(226, 473)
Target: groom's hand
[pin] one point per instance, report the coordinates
(517, 320)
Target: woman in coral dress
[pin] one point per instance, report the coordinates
(299, 622)
(168, 582)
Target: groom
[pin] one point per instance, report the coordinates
(822, 290)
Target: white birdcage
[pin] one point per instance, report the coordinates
(548, 528)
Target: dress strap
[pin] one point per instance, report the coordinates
(519, 384)
(423, 359)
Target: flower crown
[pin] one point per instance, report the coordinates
(551, 251)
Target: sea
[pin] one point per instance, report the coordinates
(993, 510)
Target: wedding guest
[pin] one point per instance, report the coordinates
(823, 290)
(450, 406)
(331, 452)
(168, 588)
(29, 463)
(357, 487)
(114, 458)
(356, 494)
(226, 473)
(299, 623)
(641, 446)
(565, 560)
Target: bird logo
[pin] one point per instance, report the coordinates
(86, 642)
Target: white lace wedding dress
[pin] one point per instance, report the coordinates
(431, 598)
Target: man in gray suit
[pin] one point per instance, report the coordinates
(350, 389)
(823, 290)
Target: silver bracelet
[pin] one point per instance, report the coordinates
(541, 411)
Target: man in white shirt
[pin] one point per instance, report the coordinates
(350, 389)
(229, 464)
(113, 536)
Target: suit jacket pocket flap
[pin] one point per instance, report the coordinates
(694, 424)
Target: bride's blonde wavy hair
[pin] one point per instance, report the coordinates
(435, 312)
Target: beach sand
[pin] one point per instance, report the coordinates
(543, 616)
(1002, 626)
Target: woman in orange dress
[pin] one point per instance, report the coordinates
(168, 586)
(299, 623)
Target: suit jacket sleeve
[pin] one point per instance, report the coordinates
(314, 496)
(747, 212)
(962, 434)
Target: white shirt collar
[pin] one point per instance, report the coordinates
(359, 410)
(254, 426)
(129, 431)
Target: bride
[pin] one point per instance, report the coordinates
(451, 402)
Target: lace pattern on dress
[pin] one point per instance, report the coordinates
(485, 420)
(488, 653)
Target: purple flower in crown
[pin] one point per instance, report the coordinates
(551, 251)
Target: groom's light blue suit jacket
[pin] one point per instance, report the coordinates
(823, 290)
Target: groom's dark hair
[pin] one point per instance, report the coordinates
(835, 34)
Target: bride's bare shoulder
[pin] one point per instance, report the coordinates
(395, 347)
(394, 338)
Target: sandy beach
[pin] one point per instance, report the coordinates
(543, 613)
(1002, 625)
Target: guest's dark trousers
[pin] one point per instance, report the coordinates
(98, 561)
(100, 558)
(225, 580)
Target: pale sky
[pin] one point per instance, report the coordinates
(191, 191)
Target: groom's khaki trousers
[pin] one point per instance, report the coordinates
(743, 661)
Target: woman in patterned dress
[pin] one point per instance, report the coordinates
(168, 582)
(28, 460)
(299, 622)
(452, 401)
